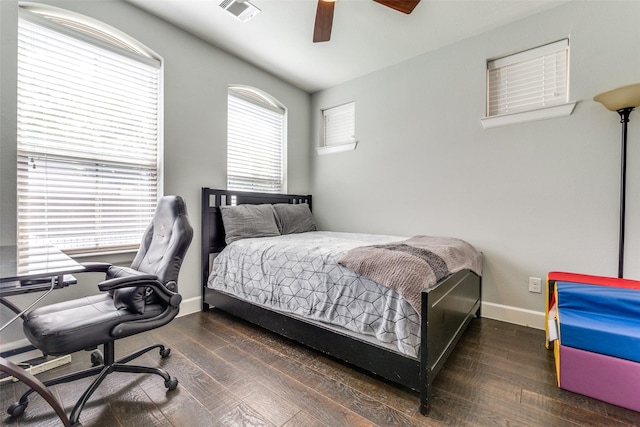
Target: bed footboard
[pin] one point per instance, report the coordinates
(446, 313)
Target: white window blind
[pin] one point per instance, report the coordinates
(255, 141)
(340, 124)
(528, 80)
(88, 137)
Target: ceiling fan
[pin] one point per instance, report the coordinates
(324, 15)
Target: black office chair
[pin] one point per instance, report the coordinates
(136, 299)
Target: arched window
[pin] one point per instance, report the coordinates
(89, 134)
(255, 141)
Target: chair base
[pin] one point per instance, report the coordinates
(108, 366)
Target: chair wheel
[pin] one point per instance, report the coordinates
(17, 409)
(171, 383)
(165, 352)
(96, 358)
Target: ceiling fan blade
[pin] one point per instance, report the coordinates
(404, 6)
(324, 21)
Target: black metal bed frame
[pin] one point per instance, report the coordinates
(446, 310)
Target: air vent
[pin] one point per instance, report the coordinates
(241, 9)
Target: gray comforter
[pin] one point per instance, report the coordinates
(299, 274)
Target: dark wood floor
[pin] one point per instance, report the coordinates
(232, 373)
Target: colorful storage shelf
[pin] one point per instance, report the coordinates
(593, 324)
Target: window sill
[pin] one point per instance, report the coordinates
(337, 148)
(116, 257)
(562, 110)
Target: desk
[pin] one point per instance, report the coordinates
(33, 270)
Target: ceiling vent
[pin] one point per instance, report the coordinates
(241, 9)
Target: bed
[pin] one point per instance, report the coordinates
(438, 320)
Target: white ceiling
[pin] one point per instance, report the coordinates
(366, 36)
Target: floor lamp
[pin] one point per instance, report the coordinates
(622, 100)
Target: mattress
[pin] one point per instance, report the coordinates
(299, 274)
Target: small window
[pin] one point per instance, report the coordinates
(534, 80)
(255, 141)
(338, 129)
(89, 133)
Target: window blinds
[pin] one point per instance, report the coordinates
(88, 133)
(339, 124)
(255, 142)
(528, 80)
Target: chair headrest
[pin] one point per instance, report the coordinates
(166, 240)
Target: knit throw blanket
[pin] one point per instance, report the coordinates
(413, 265)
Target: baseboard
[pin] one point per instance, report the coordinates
(518, 316)
(18, 346)
(190, 306)
(42, 367)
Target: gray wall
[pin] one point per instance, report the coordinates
(196, 76)
(534, 197)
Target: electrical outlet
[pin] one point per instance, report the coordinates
(535, 285)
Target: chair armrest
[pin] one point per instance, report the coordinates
(150, 280)
(128, 282)
(95, 267)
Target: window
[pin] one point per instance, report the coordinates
(255, 141)
(529, 85)
(338, 129)
(88, 134)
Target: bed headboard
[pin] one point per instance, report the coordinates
(212, 227)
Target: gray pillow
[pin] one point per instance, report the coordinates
(294, 218)
(246, 221)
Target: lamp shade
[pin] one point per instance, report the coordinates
(619, 98)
